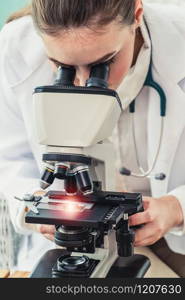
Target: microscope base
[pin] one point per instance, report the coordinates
(134, 266)
(124, 267)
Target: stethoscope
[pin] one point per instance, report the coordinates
(149, 82)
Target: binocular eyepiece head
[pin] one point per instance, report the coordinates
(98, 76)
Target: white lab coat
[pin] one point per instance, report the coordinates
(24, 65)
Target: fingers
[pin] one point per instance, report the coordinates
(39, 193)
(141, 218)
(144, 217)
(46, 229)
(146, 202)
(49, 237)
(144, 243)
(147, 235)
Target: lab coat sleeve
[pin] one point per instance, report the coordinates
(19, 172)
(179, 193)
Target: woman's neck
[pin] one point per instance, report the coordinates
(139, 41)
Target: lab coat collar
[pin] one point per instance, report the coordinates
(134, 81)
(166, 37)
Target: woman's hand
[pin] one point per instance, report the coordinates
(48, 231)
(159, 216)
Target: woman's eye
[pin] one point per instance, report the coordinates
(57, 64)
(111, 61)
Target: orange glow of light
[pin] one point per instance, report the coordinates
(72, 208)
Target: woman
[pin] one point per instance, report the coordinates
(124, 35)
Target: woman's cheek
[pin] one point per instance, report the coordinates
(53, 66)
(117, 74)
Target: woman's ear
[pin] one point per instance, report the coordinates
(138, 13)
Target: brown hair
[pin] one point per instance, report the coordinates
(21, 13)
(51, 16)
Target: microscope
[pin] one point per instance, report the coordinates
(93, 238)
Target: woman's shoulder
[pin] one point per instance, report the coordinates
(166, 24)
(21, 48)
(170, 13)
(18, 32)
(18, 27)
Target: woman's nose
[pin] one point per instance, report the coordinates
(82, 74)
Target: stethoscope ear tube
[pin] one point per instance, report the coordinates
(153, 84)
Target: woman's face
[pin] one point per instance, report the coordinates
(83, 48)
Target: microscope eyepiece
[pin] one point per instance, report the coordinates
(98, 76)
(65, 76)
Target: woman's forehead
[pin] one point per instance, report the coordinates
(82, 48)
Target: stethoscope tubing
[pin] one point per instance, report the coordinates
(150, 82)
(143, 172)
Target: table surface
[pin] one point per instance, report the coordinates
(16, 274)
(158, 269)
